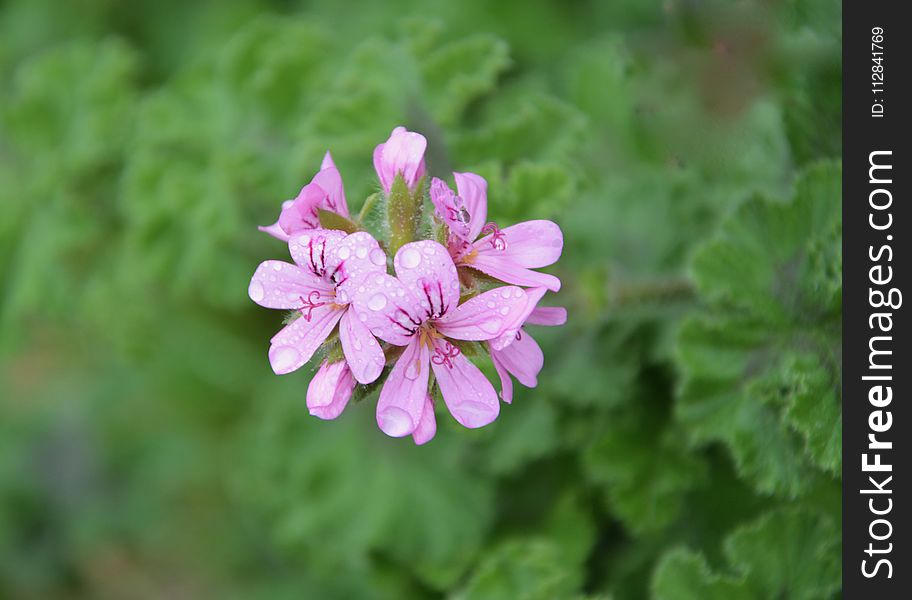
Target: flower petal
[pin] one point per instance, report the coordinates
(426, 269)
(362, 352)
(402, 153)
(547, 315)
(401, 402)
(330, 181)
(312, 249)
(531, 244)
(297, 342)
(450, 209)
(275, 230)
(506, 384)
(506, 270)
(533, 296)
(302, 214)
(330, 390)
(485, 316)
(351, 258)
(427, 426)
(387, 308)
(523, 359)
(473, 189)
(277, 284)
(469, 396)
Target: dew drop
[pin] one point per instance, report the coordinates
(378, 257)
(412, 371)
(277, 266)
(492, 325)
(505, 293)
(256, 291)
(283, 358)
(395, 422)
(410, 258)
(505, 310)
(491, 304)
(344, 252)
(376, 302)
(361, 251)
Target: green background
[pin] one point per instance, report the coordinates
(683, 442)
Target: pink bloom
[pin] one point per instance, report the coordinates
(328, 266)
(507, 254)
(402, 153)
(330, 390)
(523, 358)
(324, 192)
(418, 310)
(427, 426)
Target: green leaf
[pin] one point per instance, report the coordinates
(521, 570)
(763, 361)
(684, 575)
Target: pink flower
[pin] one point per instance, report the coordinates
(330, 390)
(324, 192)
(328, 266)
(523, 358)
(402, 153)
(418, 310)
(507, 254)
(427, 426)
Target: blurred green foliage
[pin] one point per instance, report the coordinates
(683, 442)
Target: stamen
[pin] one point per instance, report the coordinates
(310, 304)
(442, 357)
(498, 238)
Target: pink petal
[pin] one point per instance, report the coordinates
(362, 352)
(533, 296)
(330, 390)
(402, 153)
(312, 249)
(297, 342)
(506, 384)
(504, 269)
(329, 180)
(275, 230)
(352, 258)
(473, 189)
(469, 396)
(327, 162)
(548, 315)
(388, 309)
(531, 244)
(302, 214)
(426, 269)
(523, 359)
(401, 402)
(450, 209)
(277, 284)
(485, 316)
(427, 426)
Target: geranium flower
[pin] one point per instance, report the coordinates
(324, 192)
(330, 390)
(402, 154)
(523, 358)
(418, 310)
(328, 266)
(507, 254)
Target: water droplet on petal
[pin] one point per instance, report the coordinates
(491, 304)
(283, 358)
(410, 258)
(412, 371)
(491, 325)
(505, 310)
(341, 297)
(362, 316)
(344, 252)
(376, 302)
(505, 293)
(277, 266)
(256, 291)
(395, 422)
(361, 251)
(378, 257)
(357, 344)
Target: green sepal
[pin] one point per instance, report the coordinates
(403, 213)
(332, 220)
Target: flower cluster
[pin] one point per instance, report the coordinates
(412, 326)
